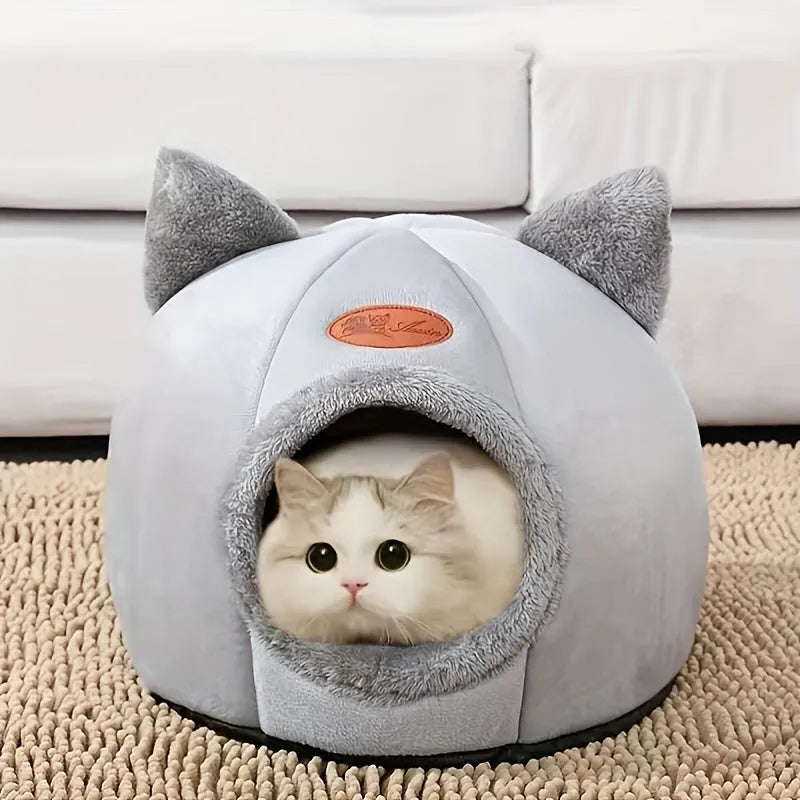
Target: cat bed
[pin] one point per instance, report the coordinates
(538, 348)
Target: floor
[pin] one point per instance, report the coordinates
(59, 448)
(783, 434)
(83, 448)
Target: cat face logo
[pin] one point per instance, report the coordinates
(390, 327)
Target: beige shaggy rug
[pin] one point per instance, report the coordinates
(75, 723)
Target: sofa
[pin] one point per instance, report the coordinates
(486, 109)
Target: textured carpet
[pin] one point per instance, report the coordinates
(74, 722)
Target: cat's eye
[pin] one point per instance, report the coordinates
(321, 557)
(392, 555)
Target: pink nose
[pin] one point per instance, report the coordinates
(354, 588)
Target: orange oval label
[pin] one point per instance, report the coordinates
(390, 326)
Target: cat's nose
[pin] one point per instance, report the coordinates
(354, 588)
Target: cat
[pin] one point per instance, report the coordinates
(391, 539)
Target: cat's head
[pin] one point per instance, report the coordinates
(365, 559)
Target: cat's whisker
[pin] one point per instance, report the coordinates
(393, 619)
(435, 634)
(407, 638)
(309, 623)
(419, 624)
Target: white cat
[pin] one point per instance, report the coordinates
(391, 540)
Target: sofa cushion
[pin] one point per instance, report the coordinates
(309, 107)
(724, 126)
(708, 91)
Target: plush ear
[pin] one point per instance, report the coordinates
(199, 217)
(431, 482)
(616, 236)
(297, 488)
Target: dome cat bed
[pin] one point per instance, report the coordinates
(539, 349)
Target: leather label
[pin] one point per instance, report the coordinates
(390, 327)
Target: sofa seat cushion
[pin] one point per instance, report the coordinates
(75, 321)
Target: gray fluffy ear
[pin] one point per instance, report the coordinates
(616, 236)
(199, 217)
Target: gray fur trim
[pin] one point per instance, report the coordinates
(200, 217)
(396, 675)
(616, 236)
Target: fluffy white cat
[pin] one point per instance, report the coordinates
(391, 539)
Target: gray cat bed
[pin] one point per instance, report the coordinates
(540, 349)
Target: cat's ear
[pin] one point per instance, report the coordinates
(200, 217)
(431, 482)
(616, 236)
(297, 488)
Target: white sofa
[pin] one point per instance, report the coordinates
(481, 108)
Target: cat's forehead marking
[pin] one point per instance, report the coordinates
(359, 506)
(344, 488)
